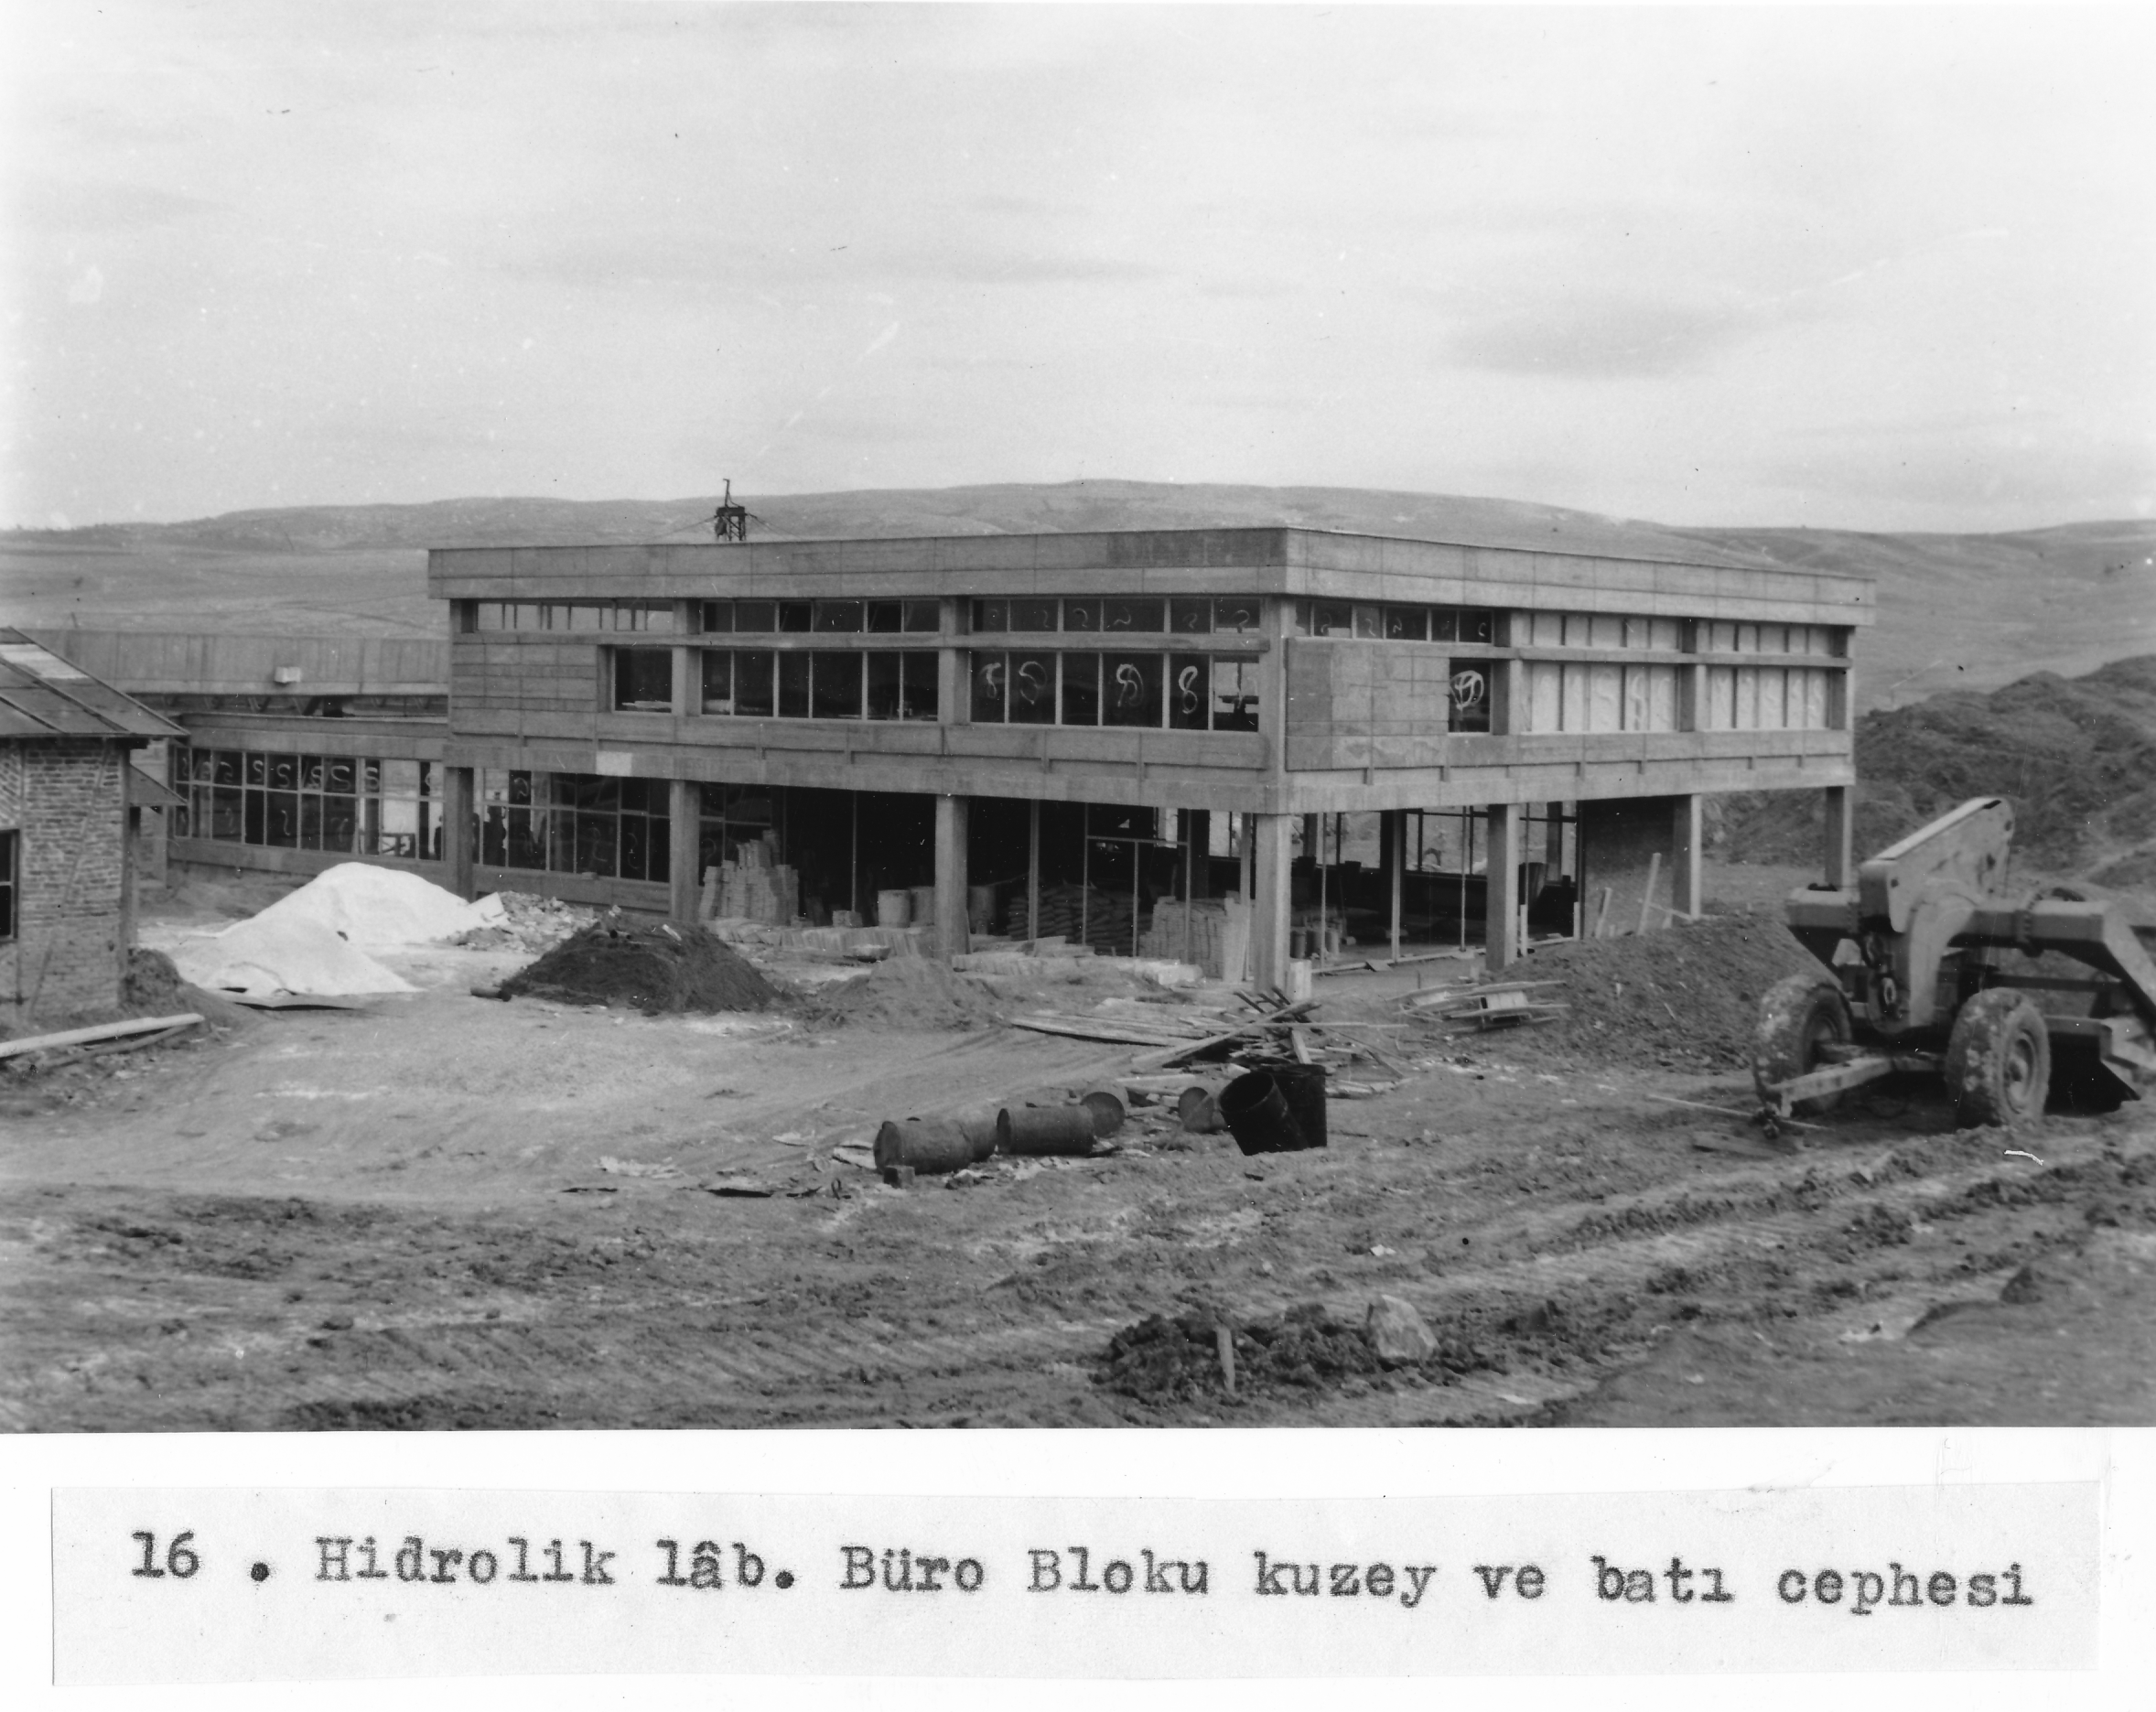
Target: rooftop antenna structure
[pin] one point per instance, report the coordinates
(730, 521)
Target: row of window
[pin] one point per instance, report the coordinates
(341, 803)
(829, 618)
(760, 683)
(1395, 623)
(1597, 629)
(575, 824)
(1092, 615)
(1180, 692)
(590, 616)
(1607, 698)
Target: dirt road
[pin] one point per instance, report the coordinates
(447, 1212)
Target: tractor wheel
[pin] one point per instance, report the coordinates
(1800, 1014)
(1997, 1060)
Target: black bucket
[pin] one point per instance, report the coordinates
(1256, 1111)
(1303, 1087)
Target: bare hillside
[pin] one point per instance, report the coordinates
(1972, 611)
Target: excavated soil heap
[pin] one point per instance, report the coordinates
(909, 993)
(659, 971)
(1688, 994)
(2076, 756)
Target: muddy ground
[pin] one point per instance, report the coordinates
(444, 1211)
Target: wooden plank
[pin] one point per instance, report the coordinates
(100, 1032)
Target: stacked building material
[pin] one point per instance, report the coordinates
(754, 887)
(1218, 936)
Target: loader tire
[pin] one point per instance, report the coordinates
(1997, 1060)
(1800, 1014)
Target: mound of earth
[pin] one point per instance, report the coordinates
(909, 993)
(1690, 992)
(152, 986)
(1164, 1359)
(2076, 756)
(657, 970)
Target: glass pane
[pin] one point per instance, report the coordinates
(886, 685)
(1369, 623)
(718, 617)
(920, 679)
(257, 765)
(1234, 695)
(989, 616)
(758, 617)
(991, 679)
(656, 616)
(1190, 616)
(794, 685)
(400, 779)
(312, 771)
(1190, 691)
(1478, 624)
(795, 615)
(1238, 613)
(837, 685)
(1033, 615)
(718, 681)
(1032, 689)
(1082, 614)
(225, 813)
(1081, 685)
(284, 771)
(643, 680)
(1132, 689)
(924, 615)
(1331, 618)
(838, 617)
(338, 776)
(1406, 624)
(1133, 612)
(886, 616)
(280, 818)
(753, 670)
(1470, 696)
(310, 823)
(1444, 624)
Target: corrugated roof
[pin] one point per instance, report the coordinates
(41, 695)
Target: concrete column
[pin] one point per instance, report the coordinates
(1686, 837)
(688, 680)
(1271, 850)
(1840, 861)
(457, 790)
(1501, 906)
(952, 822)
(685, 801)
(1395, 843)
(953, 699)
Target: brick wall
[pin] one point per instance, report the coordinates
(63, 796)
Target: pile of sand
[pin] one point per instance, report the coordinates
(1689, 994)
(657, 970)
(909, 993)
(273, 954)
(381, 909)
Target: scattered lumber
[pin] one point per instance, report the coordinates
(1257, 1025)
(100, 1032)
(1115, 1029)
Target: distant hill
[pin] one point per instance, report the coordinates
(1975, 610)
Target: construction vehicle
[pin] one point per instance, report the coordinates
(1915, 977)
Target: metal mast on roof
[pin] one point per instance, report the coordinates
(730, 521)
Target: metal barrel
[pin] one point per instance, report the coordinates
(930, 1144)
(1303, 1087)
(1257, 1114)
(978, 1124)
(1107, 1108)
(1198, 1109)
(1045, 1129)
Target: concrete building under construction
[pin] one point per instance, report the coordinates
(1213, 743)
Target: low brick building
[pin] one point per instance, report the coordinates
(66, 889)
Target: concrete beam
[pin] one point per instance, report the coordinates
(1501, 915)
(953, 819)
(1272, 849)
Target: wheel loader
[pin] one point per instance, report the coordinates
(1929, 965)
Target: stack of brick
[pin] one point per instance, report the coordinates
(1218, 936)
(755, 888)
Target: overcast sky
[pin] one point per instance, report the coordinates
(1888, 268)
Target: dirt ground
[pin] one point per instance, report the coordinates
(448, 1211)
